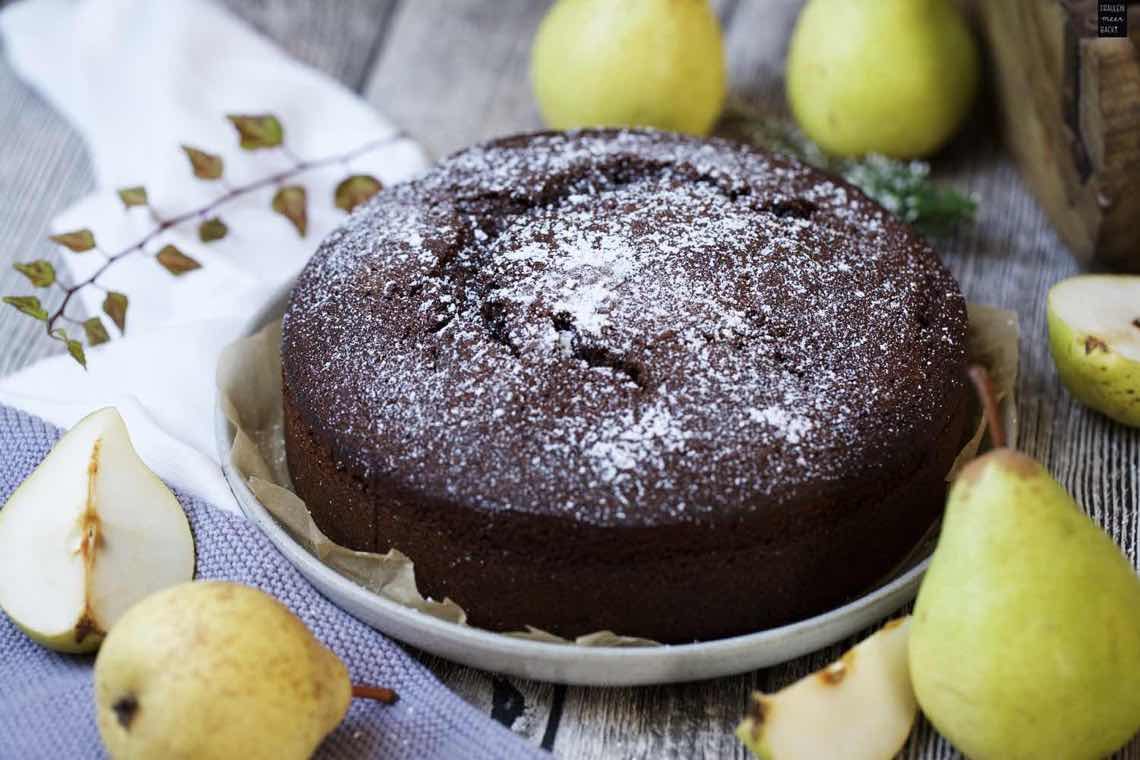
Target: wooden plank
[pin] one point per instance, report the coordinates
(756, 43)
(521, 705)
(1071, 109)
(340, 38)
(455, 71)
(43, 168)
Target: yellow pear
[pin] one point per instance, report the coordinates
(216, 670)
(895, 77)
(1025, 641)
(654, 63)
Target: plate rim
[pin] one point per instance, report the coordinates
(551, 661)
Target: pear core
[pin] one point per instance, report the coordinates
(1103, 307)
(90, 532)
(1094, 336)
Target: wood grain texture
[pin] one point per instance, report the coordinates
(43, 169)
(480, 689)
(1071, 110)
(455, 72)
(341, 38)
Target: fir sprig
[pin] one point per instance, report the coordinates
(255, 132)
(902, 187)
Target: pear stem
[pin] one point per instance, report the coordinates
(984, 387)
(377, 693)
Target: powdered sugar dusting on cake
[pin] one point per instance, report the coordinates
(793, 427)
(601, 322)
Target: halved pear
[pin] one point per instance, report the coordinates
(861, 707)
(1094, 334)
(89, 533)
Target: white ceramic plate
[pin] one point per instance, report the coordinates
(563, 663)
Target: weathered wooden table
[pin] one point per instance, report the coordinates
(455, 71)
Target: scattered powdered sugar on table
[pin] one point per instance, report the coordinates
(622, 326)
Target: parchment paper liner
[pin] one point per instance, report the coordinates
(249, 387)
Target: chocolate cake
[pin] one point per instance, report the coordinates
(628, 380)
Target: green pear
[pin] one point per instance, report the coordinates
(216, 670)
(90, 532)
(1026, 634)
(1094, 334)
(656, 63)
(861, 707)
(895, 77)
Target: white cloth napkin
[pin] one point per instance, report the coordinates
(139, 78)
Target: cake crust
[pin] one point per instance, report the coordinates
(677, 388)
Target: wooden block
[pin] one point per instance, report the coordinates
(1070, 105)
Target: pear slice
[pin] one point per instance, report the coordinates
(861, 707)
(1094, 334)
(89, 533)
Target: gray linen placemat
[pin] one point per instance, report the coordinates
(46, 708)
